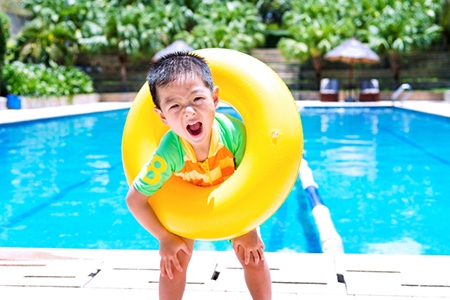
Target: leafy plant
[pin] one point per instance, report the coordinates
(41, 81)
(315, 27)
(394, 27)
(49, 37)
(399, 27)
(4, 35)
(232, 24)
(130, 32)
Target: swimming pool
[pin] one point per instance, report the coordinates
(380, 171)
(383, 173)
(63, 186)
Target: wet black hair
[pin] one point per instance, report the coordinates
(177, 66)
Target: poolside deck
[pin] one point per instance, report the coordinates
(133, 274)
(441, 108)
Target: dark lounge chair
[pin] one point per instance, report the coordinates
(369, 90)
(329, 89)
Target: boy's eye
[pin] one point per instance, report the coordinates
(197, 98)
(173, 106)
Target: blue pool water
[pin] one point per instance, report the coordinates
(382, 172)
(63, 186)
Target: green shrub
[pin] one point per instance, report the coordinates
(4, 35)
(36, 80)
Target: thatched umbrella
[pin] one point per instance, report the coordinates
(352, 51)
(174, 47)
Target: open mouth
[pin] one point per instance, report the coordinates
(195, 129)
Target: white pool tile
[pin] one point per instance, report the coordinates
(133, 274)
(45, 273)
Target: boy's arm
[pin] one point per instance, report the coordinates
(170, 243)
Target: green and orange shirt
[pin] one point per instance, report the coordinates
(175, 156)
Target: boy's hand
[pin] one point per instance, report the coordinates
(252, 245)
(168, 250)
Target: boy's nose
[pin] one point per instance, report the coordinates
(189, 110)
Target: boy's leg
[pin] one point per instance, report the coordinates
(173, 289)
(257, 276)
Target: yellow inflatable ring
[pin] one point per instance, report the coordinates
(269, 166)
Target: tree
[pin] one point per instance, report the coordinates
(315, 27)
(48, 38)
(132, 29)
(122, 35)
(398, 27)
(388, 26)
(4, 35)
(445, 23)
(233, 25)
(272, 11)
(163, 21)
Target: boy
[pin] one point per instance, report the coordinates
(186, 99)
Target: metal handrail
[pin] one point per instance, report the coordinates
(401, 91)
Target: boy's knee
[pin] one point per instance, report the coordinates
(182, 256)
(184, 259)
(254, 263)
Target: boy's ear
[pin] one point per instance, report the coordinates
(161, 115)
(215, 96)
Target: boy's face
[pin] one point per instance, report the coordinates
(188, 108)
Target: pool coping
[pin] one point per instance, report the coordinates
(33, 114)
(439, 108)
(134, 274)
